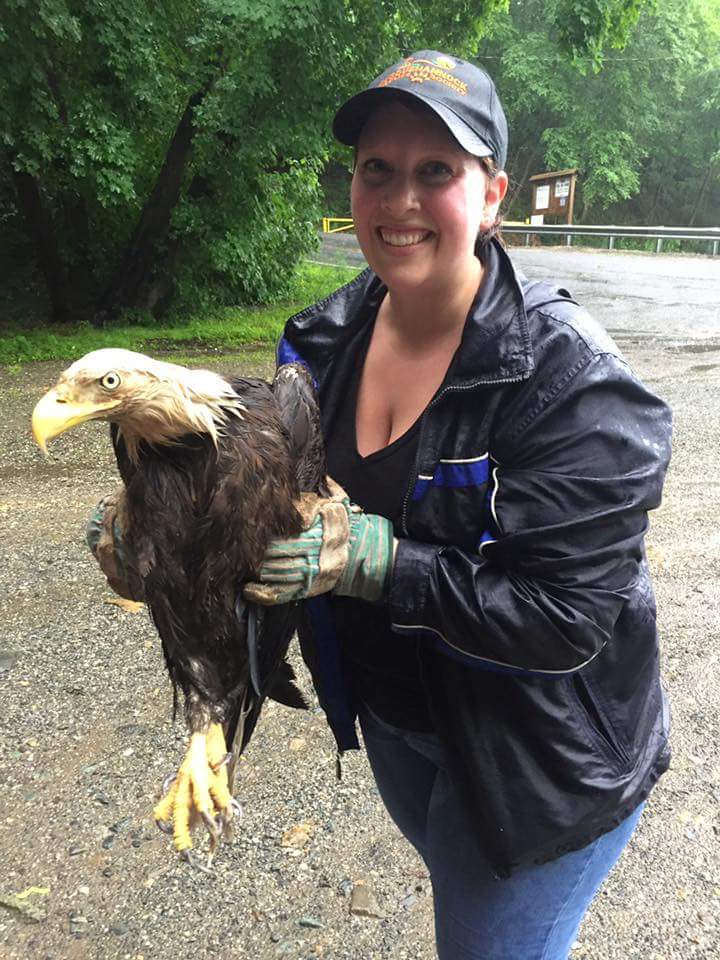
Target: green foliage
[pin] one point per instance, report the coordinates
(643, 126)
(91, 95)
(217, 329)
(587, 27)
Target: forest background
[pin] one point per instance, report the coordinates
(169, 158)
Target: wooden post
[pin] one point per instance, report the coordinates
(571, 199)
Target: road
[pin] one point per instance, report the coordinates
(86, 737)
(675, 298)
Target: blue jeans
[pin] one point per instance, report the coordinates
(534, 914)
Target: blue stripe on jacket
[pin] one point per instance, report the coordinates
(490, 535)
(454, 473)
(287, 353)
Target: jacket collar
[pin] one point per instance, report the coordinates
(495, 345)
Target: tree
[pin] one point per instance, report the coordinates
(638, 123)
(171, 151)
(168, 153)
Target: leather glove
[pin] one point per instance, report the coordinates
(103, 534)
(341, 549)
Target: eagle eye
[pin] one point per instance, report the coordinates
(111, 381)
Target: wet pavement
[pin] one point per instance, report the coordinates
(636, 296)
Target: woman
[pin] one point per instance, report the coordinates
(493, 622)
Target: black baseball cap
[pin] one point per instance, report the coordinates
(461, 94)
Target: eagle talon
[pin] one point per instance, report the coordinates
(211, 825)
(192, 861)
(221, 763)
(198, 793)
(168, 782)
(232, 813)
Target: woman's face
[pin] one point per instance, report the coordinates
(419, 200)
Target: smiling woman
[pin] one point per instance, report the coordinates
(419, 203)
(496, 634)
(506, 675)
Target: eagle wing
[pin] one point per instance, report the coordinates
(200, 520)
(297, 404)
(269, 630)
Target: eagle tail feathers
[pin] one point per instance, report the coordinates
(284, 689)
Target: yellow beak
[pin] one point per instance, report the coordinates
(54, 415)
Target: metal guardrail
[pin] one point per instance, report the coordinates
(659, 234)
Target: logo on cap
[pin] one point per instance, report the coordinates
(420, 71)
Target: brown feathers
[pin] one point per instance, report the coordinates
(212, 469)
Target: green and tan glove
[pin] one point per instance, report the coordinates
(342, 549)
(104, 537)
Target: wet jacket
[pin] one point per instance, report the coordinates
(521, 566)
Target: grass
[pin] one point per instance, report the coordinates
(224, 328)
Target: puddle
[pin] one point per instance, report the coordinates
(45, 470)
(704, 346)
(632, 332)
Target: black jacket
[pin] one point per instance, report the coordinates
(522, 565)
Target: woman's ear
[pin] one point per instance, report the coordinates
(495, 190)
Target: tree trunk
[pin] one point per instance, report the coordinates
(520, 183)
(77, 228)
(129, 285)
(701, 195)
(41, 232)
(651, 214)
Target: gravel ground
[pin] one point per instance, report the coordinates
(86, 738)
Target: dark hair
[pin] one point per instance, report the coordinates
(495, 229)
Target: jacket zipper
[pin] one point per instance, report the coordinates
(435, 400)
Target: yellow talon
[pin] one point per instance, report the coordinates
(163, 809)
(216, 749)
(198, 772)
(217, 752)
(181, 815)
(199, 791)
(219, 790)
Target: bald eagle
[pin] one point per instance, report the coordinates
(212, 469)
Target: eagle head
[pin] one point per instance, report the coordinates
(148, 399)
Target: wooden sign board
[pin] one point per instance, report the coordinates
(554, 195)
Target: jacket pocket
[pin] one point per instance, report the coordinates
(596, 720)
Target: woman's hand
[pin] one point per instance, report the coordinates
(104, 537)
(342, 549)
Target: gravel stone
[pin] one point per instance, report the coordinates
(8, 659)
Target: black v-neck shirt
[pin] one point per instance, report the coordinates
(383, 666)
